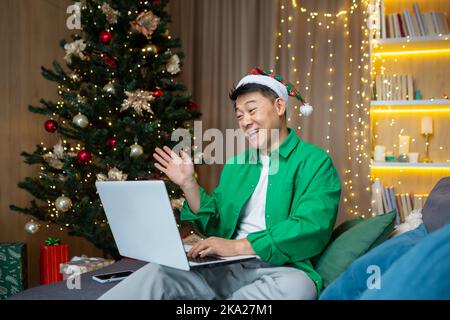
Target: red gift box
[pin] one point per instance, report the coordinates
(50, 259)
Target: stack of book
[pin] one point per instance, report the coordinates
(385, 200)
(415, 24)
(393, 87)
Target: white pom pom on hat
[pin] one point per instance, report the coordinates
(276, 83)
(306, 109)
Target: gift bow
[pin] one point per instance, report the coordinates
(52, 241)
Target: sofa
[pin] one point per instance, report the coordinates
(412, 265)
(361, 261)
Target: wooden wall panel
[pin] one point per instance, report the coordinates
(29, 38)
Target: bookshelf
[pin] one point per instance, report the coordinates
(426, 58)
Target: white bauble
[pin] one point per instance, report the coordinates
(81, 120)
(32, 227)
(74, 77)
(136, 151)
(109, 88)
(63, 204)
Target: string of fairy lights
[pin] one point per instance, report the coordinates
(357, 114)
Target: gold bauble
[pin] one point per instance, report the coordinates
(81, 120)
(63, 204)
(150, 48)
(136, 151)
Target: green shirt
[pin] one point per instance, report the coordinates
(301, 203)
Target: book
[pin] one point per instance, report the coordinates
(397, 33)
(374, 203)
(415, 25)
(385, 201)
(391, 27)
(392, 198)
(383, 20)
(408, 203)
(435, 22)
(398, 87)
(378, 88)
(404, 85)
(410, 88)
(401, 25)
(388, 88)
(401, 210)
(409, 31)
(404, 205)
(416, 202)
(394, 87)
(377, 189)
(428, 21)
(423, 31)
(393, 202)
(442, 23)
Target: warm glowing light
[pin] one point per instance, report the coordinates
(411, 168)
(412, 52)
(409, 111)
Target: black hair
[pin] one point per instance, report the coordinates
(253, 87)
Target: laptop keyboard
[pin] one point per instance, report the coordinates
(204, 259)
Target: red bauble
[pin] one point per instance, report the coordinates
(192, 106)
(105, 37)
(110, 62)
(158, 93)
(84, 156)
(51, 125)
(111, 142)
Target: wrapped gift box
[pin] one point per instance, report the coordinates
(50, 259)
(13, 268)
(78, 265)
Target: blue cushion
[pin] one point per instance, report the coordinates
(422, 273)
(353, 282)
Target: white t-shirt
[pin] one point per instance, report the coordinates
(253, 214)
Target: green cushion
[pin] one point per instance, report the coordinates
(359, 237)
(345, 226)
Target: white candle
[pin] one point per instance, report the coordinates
(427, 125)
(403, 144)
(380, 153)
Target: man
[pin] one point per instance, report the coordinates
(285, 217)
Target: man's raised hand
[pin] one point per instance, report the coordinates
(178, 168)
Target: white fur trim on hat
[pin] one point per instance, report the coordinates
(279, 88)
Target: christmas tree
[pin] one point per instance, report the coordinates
(118, 100)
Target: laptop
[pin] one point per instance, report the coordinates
(144, 227)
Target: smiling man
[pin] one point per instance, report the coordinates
(285, 216)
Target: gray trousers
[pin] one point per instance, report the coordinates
(250, 280)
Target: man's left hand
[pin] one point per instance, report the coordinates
(220, 247)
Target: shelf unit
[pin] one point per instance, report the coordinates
(412, 103)
(427, 59)
(445, 165)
